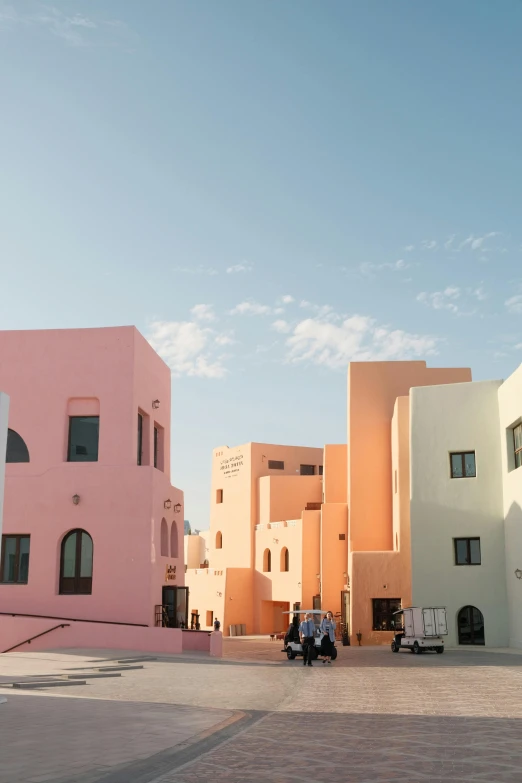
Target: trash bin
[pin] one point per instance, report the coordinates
(232, 630)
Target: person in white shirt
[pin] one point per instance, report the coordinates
(306, 634)
(327, 642)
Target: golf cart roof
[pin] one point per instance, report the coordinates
(306, 611)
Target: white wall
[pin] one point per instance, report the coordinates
(444, 419)
(510, 408)
(4, 415)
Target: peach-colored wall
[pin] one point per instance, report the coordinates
(335, 473)
(239, 599)
(334, 554)
(311, 557)
(285, 497)
(207, 589)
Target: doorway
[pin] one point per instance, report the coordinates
(470, 621)
(345, 612)
(175, 601)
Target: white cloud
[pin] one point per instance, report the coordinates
(368, 269)
(75, 29)
(478, 293)
(409, 248)
(358, 338)
(203, 312)
(231, 270)
(251, 308)
(428, 244)
(441, 300)
(225, 339)
(287, 299)
(448, 244)
(477, 243)
(281, 326)
(514, 304)
(196, 270)
(187, 348)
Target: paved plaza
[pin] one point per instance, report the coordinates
(254, 716)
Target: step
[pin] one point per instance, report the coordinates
(91, 675)
(144, 659)
(47, 684)
(116, 668)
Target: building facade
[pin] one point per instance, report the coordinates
(93, 528)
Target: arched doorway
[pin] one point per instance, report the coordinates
(470, 623)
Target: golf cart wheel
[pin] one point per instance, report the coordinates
(440, 650)
(290, 654)
(416, 648)
(394, 647)
(334, 653)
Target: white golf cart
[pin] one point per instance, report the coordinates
(293, 646)
(419, 629)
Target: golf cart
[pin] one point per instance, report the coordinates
(419, 629)
(293, 646)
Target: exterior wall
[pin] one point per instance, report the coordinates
(51, 375)
(277, 585)
(334, 554)
(311, 585)
(461, 417)
(335, 476)
(510, 410)
(194, 548)
(207, 591)
(4, 415)
(285, 497)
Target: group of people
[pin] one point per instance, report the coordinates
(305, 634)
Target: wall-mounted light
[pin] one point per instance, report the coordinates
(177, 508)
(75, 499)
(318, 576)
(219, 594)
(275, 540)
(299, 584)
(167, 503)
(345, 575)
(155, 403)
(518, 573)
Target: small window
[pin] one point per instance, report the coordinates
(174, 548)
(342, 536)
(84, 434)
(320, 470)
(14, 565)
(463, 464)
(219, 540)
(275, 464)
(467, 551)
(164, 538)
(267, 561)
(76, 564)
(285, 560)
(159, 441)
(517, 441)
(140, 439)
(307, 470)
(17, 451)
(210, 619)
(383, 613)
(219, 495)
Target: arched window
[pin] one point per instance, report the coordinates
(164, 538)
(219, 540)
(174, 540)
(470, 622)
(76, 563)
(17, 451)
(267, 560)
(285, 560)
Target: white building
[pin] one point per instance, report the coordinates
(466, 507)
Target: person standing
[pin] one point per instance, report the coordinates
(327, 642)
(306, 634)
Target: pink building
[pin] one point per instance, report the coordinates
(93, 528)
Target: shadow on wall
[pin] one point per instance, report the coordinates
(513, 533)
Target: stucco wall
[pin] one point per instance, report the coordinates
(4, 416)
(286, 497)
(456, 418)
(510, 410)
(334, 554)
(335, 478)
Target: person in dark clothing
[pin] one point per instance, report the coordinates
(307, 635)
(292, 635)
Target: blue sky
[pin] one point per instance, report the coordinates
(266, 190)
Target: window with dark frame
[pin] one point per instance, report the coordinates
(342, 536)
(76, 560)
(155, 447)
(84, 433)
(383, 613)
(320, 470)
(14, 563)
(275, 464)
(140, 439)
(307, 470)
(463, 464)
(467, 551)
(517, 442)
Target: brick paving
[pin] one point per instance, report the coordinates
(254, 716)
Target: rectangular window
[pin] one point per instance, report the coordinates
(307, 470)
(463, 464)
(14, 564)
(219, 495)
(342, 536)
(140, 439)
(156, 447)
(159, 447)
(383, 613)
(517, 441)
(84, 434)
(210, 619)
(274, 464)
(320, 470)
(467, 551)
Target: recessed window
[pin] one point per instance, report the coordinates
(467, 551)
(76, 563)
(275, 464)
(307, 470)
(174, 546)
(219, 540)
(14, 565)
(17, 451)
(517, 441)
(463, 464)
(84, 434)
(219, 495)
(159, 447)
(342, 536)
(285, 560)
(267, 561)
(140, 439)
(320, 470)
(383, 613)
(164, 538)
(210, 619)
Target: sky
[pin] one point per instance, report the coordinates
(267, 189)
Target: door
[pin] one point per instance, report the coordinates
(175, 599)
(345, 611)
(428, 618)
(471, 626)
(442, 623)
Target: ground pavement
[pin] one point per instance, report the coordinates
(255, 717)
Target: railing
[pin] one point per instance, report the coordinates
(31, 638)
(71, 619)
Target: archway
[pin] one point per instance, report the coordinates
(285, 560)
(164, 538)
(174, 540)
(470, 623)
(267, 560)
